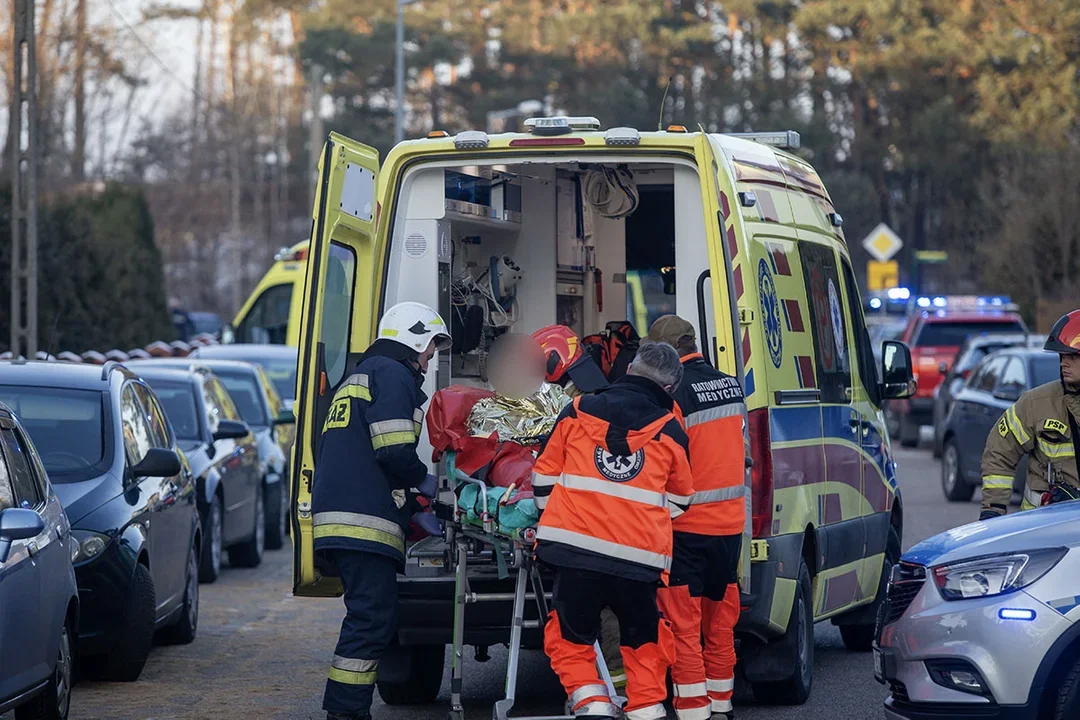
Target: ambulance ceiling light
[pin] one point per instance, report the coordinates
(923, 302)
(471, 140)
(622, 137)
(875, 303)
(560, 125)
(940, 302)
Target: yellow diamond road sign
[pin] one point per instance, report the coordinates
(882, 243)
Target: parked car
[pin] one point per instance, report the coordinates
(113, 460)
(935, 338)
(224, 459)
(38, 592)
(261, 409)
(190, 324)
(996, 383)
(982, 621)
(974, 349)
(279, 362)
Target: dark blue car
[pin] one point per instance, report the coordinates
(113, 460)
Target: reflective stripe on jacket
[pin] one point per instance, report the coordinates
(367, 460)
(713, 408)
(1037, 425)
(612, 475)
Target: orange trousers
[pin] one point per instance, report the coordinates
(647, 643)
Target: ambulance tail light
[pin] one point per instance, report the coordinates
(761, 474)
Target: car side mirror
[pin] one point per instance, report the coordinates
(18, 524)
(1008, 393)
(285, 417)
(228, 335)
(231, 430)
(158, 462)
(898, 379)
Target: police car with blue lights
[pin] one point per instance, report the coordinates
(981, 621)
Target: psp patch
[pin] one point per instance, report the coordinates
(770, 314)
(1057, 426)
(619, 468)
(339, 414)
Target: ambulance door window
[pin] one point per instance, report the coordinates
(337, 310)
(864, 350)
(827, 322)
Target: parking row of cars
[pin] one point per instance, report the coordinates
(122, 486)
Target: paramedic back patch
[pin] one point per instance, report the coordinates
(619, 468)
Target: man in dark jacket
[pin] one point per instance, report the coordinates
(366, 479)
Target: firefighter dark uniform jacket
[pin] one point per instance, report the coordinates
(612, 475)
(712, 407)
(1043, 425)
(367, 457)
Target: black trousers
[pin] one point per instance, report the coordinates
(579, 596)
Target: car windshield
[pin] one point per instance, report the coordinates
(949, 334)
(178, 399)
(205, 322)
(1044, 369)
(281, 371)
(243, 387)
(972, 357)
(66, 427)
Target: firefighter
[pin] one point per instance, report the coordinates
(567, 364)
(361, 500)
(569, 367)
(614, 471)
(702, 599)
(1042, 424)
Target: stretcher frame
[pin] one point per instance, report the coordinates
(512, 552)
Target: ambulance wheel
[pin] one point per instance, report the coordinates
(909, 431)
(952, 475)
(800, 638)
(421, 687)
(860, 638)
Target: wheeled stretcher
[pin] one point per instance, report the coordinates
(476, 540)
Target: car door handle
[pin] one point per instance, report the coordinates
(32, 548)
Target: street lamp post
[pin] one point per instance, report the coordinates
(399, 72)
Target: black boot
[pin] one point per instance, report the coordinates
(346, 716)
(730, 715)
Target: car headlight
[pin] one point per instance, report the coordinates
(87, 545)
(994, 574)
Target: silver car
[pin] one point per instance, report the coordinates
(981, 621)
(39, 604)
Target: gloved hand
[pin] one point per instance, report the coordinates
(988, 515)
(429, 487)
(428, 523)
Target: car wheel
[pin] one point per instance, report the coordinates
(125, 663)
(54, 702)
(860, 638)
(184, 630)
(275, 518)
(249, 554)
(1067, 704)
(909, 431)
(953, 484)
(800, 637)
(210, 563)
(422, 685)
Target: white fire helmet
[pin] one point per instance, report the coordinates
(415, 326)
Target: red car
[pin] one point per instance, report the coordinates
(934, 338)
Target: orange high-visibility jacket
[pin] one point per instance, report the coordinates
(612, 475)
(712, 406)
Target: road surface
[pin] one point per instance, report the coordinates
(262, 653)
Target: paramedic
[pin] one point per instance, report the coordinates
(1043, 424)
(567, 364)
(614, 471)
(702, 600)
(569, 367)
(367, 462)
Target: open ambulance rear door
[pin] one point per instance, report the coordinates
(339, 315)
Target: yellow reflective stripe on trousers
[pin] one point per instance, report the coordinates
(1032, 498)
(353, 671)
(997, 482)
(1057, 450)
(1016, 426)
(358, 526)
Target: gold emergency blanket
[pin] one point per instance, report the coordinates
(522, 420)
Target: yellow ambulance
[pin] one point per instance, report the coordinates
(512, 232)
(271, 314)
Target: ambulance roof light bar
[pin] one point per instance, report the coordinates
(561, 125)
(783, 139)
